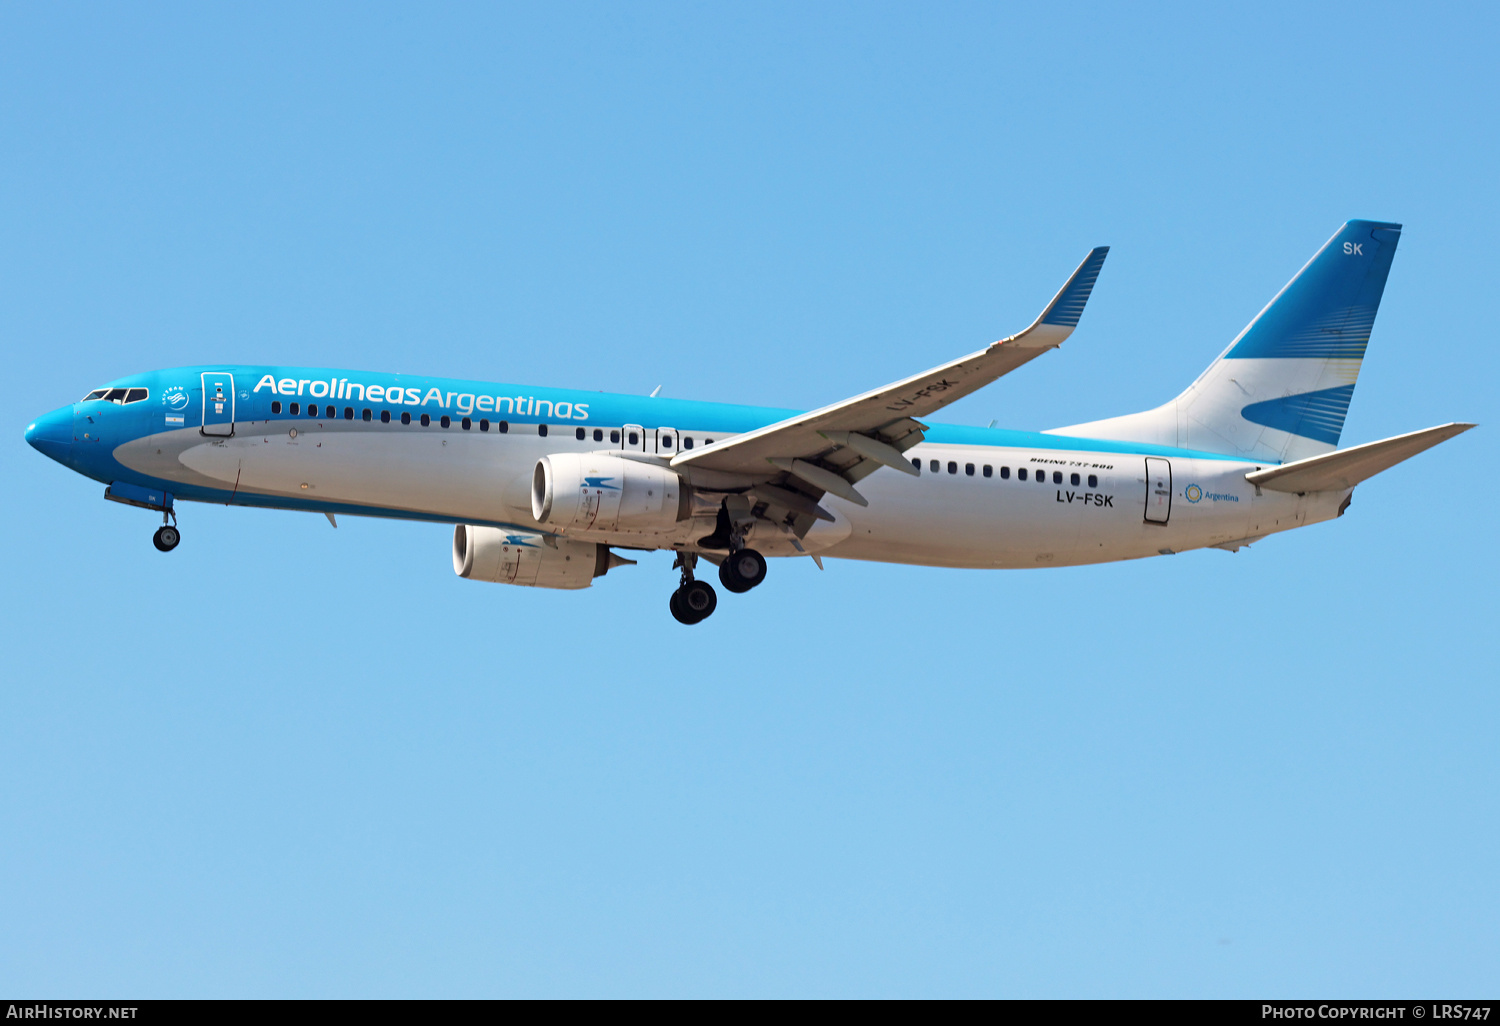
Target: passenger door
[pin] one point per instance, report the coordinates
(218, 403)
(1158, 490)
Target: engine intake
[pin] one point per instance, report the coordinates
(589, 492)
(528, 558)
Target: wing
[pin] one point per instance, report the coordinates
(828, 450)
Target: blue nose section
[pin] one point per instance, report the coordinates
(52, 435)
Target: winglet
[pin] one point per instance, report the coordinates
(1067, 307)
(1061, 315)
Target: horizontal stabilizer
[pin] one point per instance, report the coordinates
(1345, 468)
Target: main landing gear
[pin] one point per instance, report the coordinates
(167, 536)
(694, 600)
(742, 570)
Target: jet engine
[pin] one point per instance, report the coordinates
(528, 558)
(589, 492)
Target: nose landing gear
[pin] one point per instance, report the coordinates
(694, 601)
(167, 536)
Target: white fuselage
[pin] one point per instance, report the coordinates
(940, 518)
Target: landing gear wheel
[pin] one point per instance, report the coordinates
(693, 602)
(166, 538)
(742, 570)
(678, 613)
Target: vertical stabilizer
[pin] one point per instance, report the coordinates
(1281, 390)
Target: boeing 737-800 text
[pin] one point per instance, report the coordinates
(543, 485)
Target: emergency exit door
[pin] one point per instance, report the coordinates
(218, 403)
(1158, 490)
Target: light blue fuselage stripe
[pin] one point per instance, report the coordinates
(601, 409)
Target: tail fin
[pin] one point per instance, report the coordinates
(1281, 390)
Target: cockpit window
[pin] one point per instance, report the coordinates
(118, 395)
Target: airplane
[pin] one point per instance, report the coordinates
(544, 485)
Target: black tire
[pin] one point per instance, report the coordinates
(679, 613)
(698, 600)
(166, 538)
(746, 566)
(732, 582)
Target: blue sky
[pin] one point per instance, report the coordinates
(292, 761)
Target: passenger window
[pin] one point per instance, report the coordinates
(917, 464)
(405, 417)
(989, 471)
(365, 416)
(484, 424)
(1073, 480)
(687, 441)
(1021, 474)
(969, 469)
(598, 435)
(614, 438)
(666, 441)
(295, 408)
(275, 405)
(385, 416)
(1005, 473)
(934, 466)
(1057, 477)
(444, 421)
(504, 426)
(952, 467)
(633, 439)
(135, 395)
(466, 424)
(426, 420)
(541, 429)
(708, 441)
(581, 434)
(1093, 481)
(349, 413)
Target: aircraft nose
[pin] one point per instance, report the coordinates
(52, 434)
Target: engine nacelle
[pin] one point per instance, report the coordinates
(528, 558)
(589, 492)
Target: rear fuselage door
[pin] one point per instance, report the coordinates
(1158, 490)
(218, 403)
